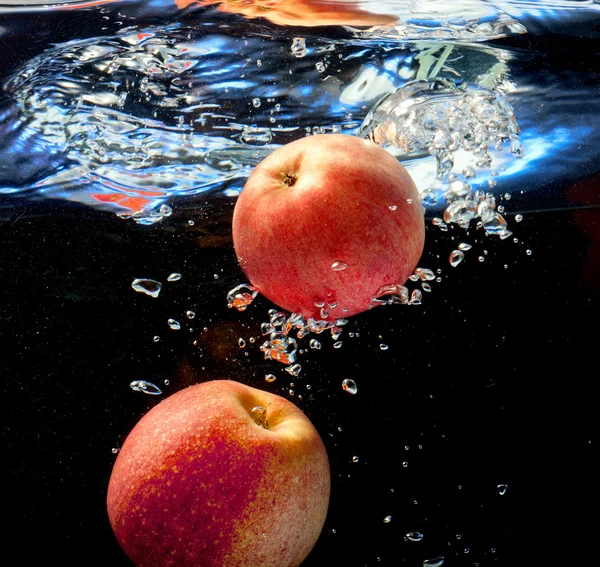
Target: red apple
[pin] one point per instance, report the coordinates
(324, 222)
(220, 475)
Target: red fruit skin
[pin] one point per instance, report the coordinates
(199, 483)
(351, 202)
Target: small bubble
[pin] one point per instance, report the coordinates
(191, 222)
(293, 369)
(456, 257)
(299, 47)
(175, 276)
(315, 344)
(507, 196)
(156, 338)
(355, 459)
(338, 266)
(518, 218)
(114, 450)
(320, 67)
(145, 387)
(481, 258)
(528, 252)
(216, 276)
(349, 385)
(437, 562)
(387, 519)
(383, 346)
(414, 536)
(337, 344)
(190, 314)
(502, 488)
(166, 382)
(241, 343)
(147, 286)
(173, 324)
(405, 464)
(270, 377)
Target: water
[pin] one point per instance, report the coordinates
(127, 131)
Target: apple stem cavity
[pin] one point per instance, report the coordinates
(259, 415)
(288, 179)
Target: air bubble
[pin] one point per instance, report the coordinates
(241, 296)
(349, 385)
(338, 266)
(456, 257)
(145, 387)
(518, 218)
(387, 519)
(293, 369)
(299, 47)
(173, 324)
(147, 286)
(190, 314)
(270, 378)
(414, 536)
(175, 276)
(501, 489)
(256, 102)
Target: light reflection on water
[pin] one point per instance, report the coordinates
(130, 120)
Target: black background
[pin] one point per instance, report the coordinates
(488, 382)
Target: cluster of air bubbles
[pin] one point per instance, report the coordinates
(145, 387)
(465, 125)
(398, 294)
(282, 347)
(241, 296)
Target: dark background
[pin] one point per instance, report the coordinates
(488, 382)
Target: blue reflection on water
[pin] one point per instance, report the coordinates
(128, 121)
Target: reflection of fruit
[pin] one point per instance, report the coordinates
(299, 12)
(324, 222)
(220, 474)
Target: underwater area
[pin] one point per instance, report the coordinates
(458, 418)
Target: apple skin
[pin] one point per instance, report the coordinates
(322, 200)
(199, 482)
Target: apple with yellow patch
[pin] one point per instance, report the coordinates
(325, 222)
(220, 475)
